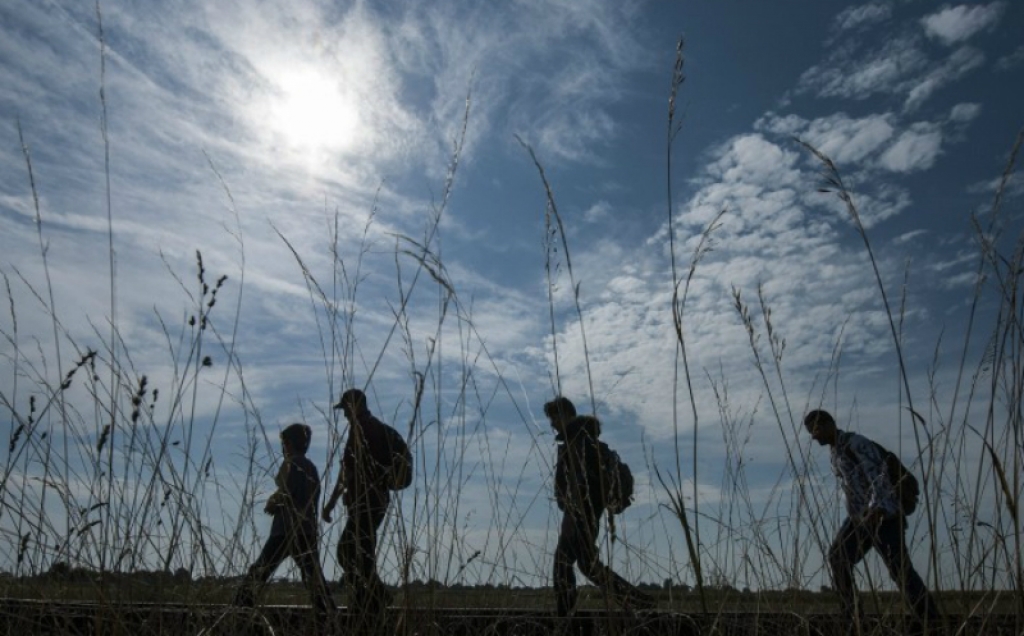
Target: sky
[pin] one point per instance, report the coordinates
(490, 202)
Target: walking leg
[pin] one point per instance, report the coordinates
(273, 553)
(890, 541)
(848, 548)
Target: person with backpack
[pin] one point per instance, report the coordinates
(589, 478)
(375, 460)
(294, 531)
(879, 493)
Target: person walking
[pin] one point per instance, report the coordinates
(875, 519)
(582, 499)
(294, 531)
(363, 487)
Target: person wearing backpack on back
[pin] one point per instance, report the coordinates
(580, 491)
(363, 486)
(876, 518)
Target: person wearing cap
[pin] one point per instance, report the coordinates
(874, 520)
(294, 532)
(362, 487)
(579, 495)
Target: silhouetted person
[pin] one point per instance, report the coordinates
(294, 531)
(579, 495)
(874, 520)
(363, 488)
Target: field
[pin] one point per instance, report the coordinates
(159, 605)
(193, 609)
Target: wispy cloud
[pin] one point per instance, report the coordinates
(894, 58)
(846, 74)
(960, 63)
(862, 15)
(1011, 60)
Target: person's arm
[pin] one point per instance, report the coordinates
(278, 498)
(339, 486)
(332, 501)
(561, 479)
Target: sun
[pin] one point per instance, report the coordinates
(312, 112)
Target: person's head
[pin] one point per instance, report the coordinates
(295, 439)
(822, 426)
(353, 403)
(559, 410)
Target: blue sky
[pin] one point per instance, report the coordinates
(244, 128)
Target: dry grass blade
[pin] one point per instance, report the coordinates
(1004, 483)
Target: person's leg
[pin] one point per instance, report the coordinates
(348, 550)
(588, 558)
(377, 593)
(274, 551)
(357, 553)
(306, 554)
(846, 551)
(564, 576)
(890, 541)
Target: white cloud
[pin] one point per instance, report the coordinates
(964, 113)
(859, 147)
(780, 125)
(776, 233)
(914, 150)
(562, 112)
(1012, 188)
(572, 135)
(844, 139)
(880, 202)
(751, 159)
(882, 71)
(907, 237)
(597, 213)
(956, 24)
(860, 15)
(893, 60)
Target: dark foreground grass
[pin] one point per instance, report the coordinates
(22, 616)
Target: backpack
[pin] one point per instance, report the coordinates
(904, 484)
(903, 481)
(399, 469)
(616, 480)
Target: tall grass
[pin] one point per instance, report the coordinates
(114, 463)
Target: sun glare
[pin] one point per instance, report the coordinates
(313, 113)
